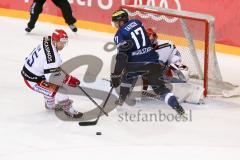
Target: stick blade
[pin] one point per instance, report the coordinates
(90, 123)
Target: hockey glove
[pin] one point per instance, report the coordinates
(71, 81)
(181, 71)
(115, 80)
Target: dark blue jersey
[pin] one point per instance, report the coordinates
(141, 48)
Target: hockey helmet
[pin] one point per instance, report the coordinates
(120, 15)
(150, 32)
(60, 35)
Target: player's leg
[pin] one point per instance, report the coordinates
(159, 87)
(67, 13)
(168, 97)
(65, 104)
(35, 10)
(145, 83)
(126, 86)
(50, 92)
(49, 102)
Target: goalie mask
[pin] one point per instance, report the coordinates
(152, 36)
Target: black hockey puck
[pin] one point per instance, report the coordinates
(98, 133)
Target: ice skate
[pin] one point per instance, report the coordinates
(29, 29)
(73, 28)
(180, 110)
(119, 102)
(68, 109)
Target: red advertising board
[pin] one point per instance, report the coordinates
(225, 12)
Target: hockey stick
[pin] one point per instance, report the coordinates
(86, 94)
(91, 123)
(101, 109)
(156, 97)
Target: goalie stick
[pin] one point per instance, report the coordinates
(156, 97)
(91, 123)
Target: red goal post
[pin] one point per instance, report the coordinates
(193, 35)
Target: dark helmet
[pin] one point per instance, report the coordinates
(120, 15)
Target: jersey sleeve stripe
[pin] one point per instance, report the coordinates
(52, 70)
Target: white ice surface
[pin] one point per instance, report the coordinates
(28, 131)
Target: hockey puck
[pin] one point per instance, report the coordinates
(98, 133)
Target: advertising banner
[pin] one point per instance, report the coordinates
(225, 12)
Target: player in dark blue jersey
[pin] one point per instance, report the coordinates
(135, 57)
(133, 33)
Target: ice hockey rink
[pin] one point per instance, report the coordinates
(29, 131)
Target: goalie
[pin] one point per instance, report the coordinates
(175, 73)
(171, 57)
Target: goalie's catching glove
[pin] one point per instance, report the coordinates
(181, 71)
(115, 80)
(71, 81)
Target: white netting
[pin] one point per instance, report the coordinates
(152, 16)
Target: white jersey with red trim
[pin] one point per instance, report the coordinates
(44, 59)
(167, 52)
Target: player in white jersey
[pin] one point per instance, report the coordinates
(170, 56)
(45, 61)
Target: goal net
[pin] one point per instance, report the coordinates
(193, 35)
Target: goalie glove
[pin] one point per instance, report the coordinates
(181, 71)
(115, 80)
(71, 81)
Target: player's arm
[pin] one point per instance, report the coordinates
(70, 80)
(175, 64)
(53, 73)
(52, 69)
(123, 46)
(121, 63)
(56, 76)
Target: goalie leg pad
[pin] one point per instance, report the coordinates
(192, 93)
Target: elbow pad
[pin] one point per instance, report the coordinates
(125, 46)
